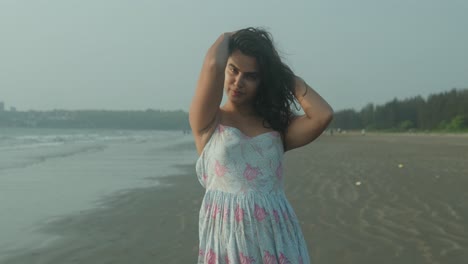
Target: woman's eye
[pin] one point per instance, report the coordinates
(252, 77)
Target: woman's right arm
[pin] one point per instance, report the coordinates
(209, 92)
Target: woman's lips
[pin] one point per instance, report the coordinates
(236, 93)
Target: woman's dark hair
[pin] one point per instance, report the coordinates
(275, 93)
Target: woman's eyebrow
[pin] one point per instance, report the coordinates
(250, 73)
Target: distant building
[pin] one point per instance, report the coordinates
(12, 109)
(2, 106)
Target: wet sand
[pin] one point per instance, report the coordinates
(360, 199)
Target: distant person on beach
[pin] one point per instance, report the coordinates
(245, 216)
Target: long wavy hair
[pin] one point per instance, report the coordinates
(275, 94)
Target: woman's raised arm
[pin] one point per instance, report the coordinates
(318, 114)
(209, 92)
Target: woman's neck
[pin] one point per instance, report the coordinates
(242, 111)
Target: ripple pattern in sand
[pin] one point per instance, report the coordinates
(391, 201)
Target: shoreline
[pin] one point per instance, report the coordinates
(129, 226)
(42, 180)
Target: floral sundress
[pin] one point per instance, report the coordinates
(245, 216)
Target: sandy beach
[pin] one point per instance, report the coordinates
(360, 199)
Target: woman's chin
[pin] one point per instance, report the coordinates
(237, 98)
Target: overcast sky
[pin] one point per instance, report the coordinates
(135, 54)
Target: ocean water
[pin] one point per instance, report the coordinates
(48, 173)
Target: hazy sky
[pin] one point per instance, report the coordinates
(135, 54)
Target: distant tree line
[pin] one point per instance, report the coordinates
(446, 111)
(149, 119)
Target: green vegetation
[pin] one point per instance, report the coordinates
(149, 119)
(443, 112)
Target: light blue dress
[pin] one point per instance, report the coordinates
(245, 216)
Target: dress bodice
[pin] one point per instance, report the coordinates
(236, 163)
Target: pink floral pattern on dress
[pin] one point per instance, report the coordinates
(246, 259)
(283, 259)
(220, 169)
(221, 128)
(211, 257)
(269, 258)
(276, 215)
(215, 211)
(250, 172)
(260, 213)
(239, 214)
(245, 216)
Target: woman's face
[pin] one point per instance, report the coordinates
(242, 78)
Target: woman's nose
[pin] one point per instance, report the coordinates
(239, 80)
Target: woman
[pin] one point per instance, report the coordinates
(245, 216)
